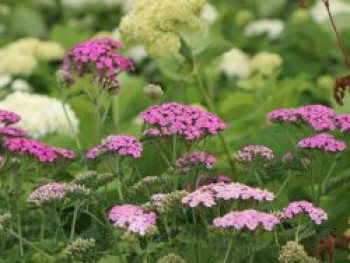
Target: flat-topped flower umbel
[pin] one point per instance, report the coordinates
(254, 153)
(180, 119)
(323, 141)
(194, 160)
(8, 117)
(132, 218)
(97, 58)
(121, 145)
(317, 215)
(42, 152)
(209, 195)
(250, 219)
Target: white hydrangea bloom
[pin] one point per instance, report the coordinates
(127, 5)
(209, 13)
(21, 85)
(235, 63)
(272, 27)
(5, 80)
(15, 63)
(319, 12)
(137, 53)
(41, 115)
(266, 63)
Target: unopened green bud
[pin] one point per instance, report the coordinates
(153, 91)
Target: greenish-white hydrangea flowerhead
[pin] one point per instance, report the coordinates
(235, 63)
(22, 56)
(266, 63)
(156, 24)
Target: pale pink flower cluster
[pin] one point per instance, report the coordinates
(98, 58)
(42, 152)
(173, 118)
(133, 218)
(322, 141)
(208, 195)
(54, 193)
(254, 153)
(317, 215)
(250, 219)
(194, 160)
(11, 131)
(319, 117)
(122, 145)
(343, 122)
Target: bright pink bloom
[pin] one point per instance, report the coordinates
(132, 218)
(208, 195)
(8, 117)
(250, 219)
(319, 117)
(173, 118)
(317, 215)
(122, 145)
(343, 122)
(97, 58)
(324, 142)
(42, 152)
(11, 131)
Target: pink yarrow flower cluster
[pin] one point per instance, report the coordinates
(133, 218)
(7, 119)
(250, 219)
(317, 215)
(173, 118)
(319, 117)
(343, 122)
(193, 160)
(122, 145)
(208, 195)
(42, 152)
(254, 153)
(322, 141)
(99, 59)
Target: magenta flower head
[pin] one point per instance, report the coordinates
(343, 122)
(11, 131)
(317, 215)
(324, 142)
(255, 153)
(209, 195)
(8, 117)
(249, 219)
(194, 160)
(319, 117)
(132, 218)
(179, 119)
(42, 152)
(98, 59)
(121, 145)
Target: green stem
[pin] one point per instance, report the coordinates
(329, 173)
(22, 239)
(71, 126)
(75, 216)
(284, 183)
(211, 106)
(228, 252)
(42, 226)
